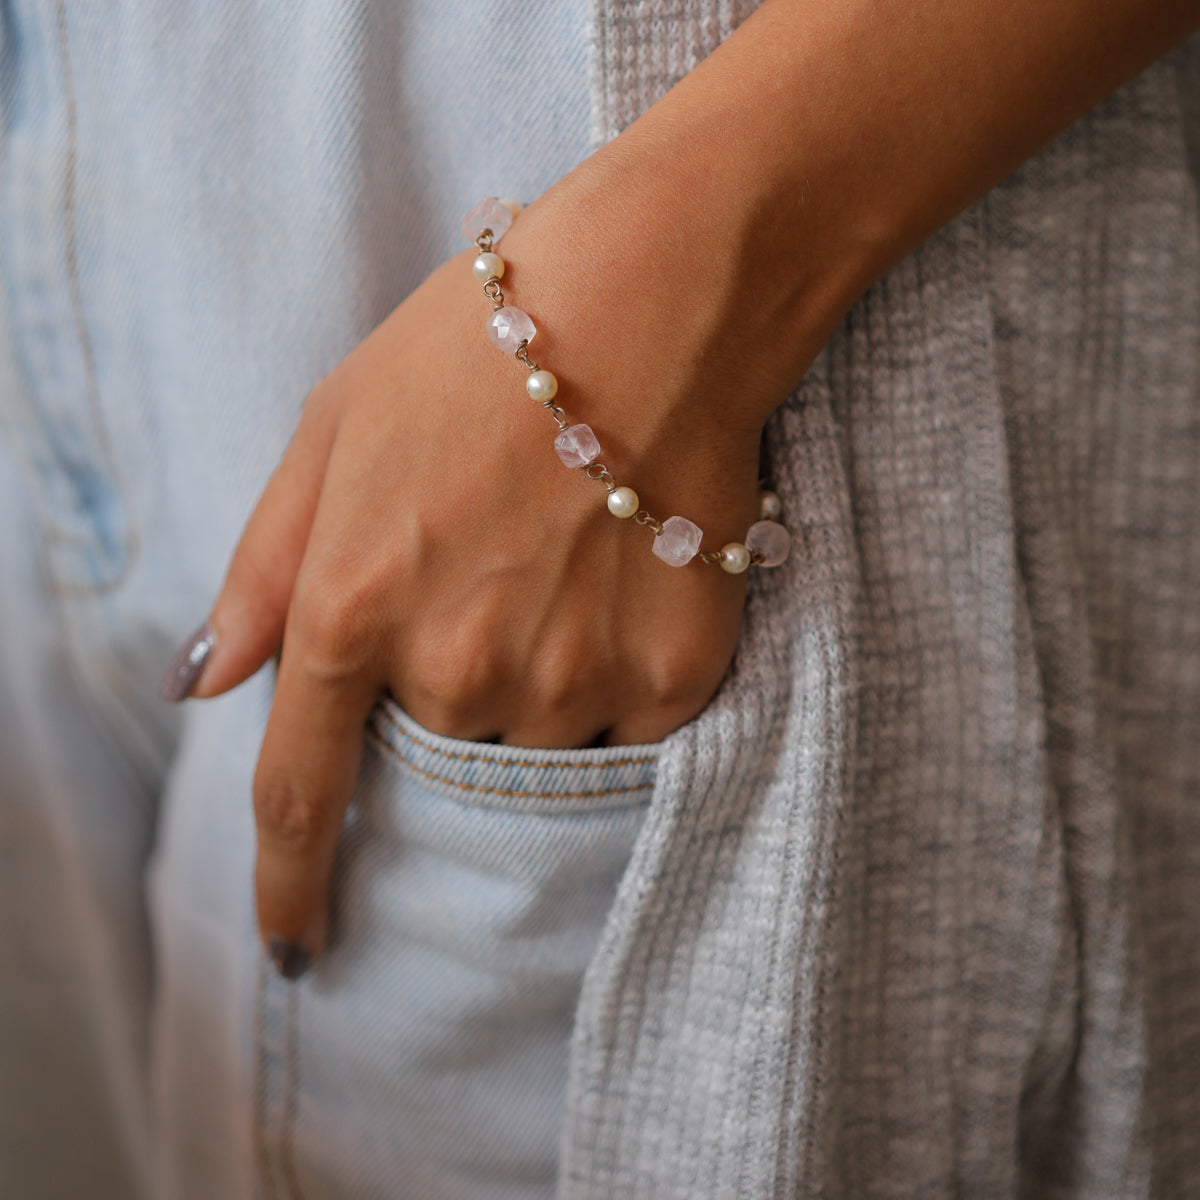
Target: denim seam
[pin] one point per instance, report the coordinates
(291, 1093)
(597, 793)
(262, 1070)
(87, 351)
(501, 762)
(284, 1165)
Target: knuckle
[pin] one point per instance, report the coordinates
(287, 817)
(564, 673)
(680, 671)
(447, 682)
(438, 716)
(452, 681)
(332, 622)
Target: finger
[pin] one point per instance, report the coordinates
(558, 732)
(449, 720)
(649, 727)
(249, 615)
(305, 778)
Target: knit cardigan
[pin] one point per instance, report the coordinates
(916, 908)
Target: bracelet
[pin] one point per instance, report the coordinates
(676, 540)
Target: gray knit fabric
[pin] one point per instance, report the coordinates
(916, 909)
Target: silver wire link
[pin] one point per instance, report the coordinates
(610, 484)
(560, 417)
(711, 556)
(492, 291)
(484, 241)
(644, 518)
(522, 352)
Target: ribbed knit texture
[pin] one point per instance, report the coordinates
(644, 47)
(916, 909)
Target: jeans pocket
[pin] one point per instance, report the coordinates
(427, 1056)
(515, 778)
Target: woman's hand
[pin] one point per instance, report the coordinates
(421, 538)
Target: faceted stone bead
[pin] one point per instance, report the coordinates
(487, 214)
(769, 539)
(577, 446)
(678, 542)
(508, 327)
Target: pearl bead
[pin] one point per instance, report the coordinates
(488, 266)
(514, 206)
(541, 386)
(770, 507)
(623, 502)
(735, 558)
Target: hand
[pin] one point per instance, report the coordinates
(422, 538)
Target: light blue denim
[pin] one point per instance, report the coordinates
(202, 209)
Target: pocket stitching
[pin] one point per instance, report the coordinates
(487, 758)
(513, 792)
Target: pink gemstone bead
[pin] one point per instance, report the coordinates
(769, 539)
(678, 542)
(577, 446)
(508, 327)
(487, 214)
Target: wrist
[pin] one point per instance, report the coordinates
(662, 455)
(747, 210)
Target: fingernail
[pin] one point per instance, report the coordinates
(189, 662)
(291, 959)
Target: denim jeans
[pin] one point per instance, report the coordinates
(202, 209)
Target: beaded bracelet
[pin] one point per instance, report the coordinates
(676, 540)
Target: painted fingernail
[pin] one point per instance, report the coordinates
(189, 662)
(291, 959)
